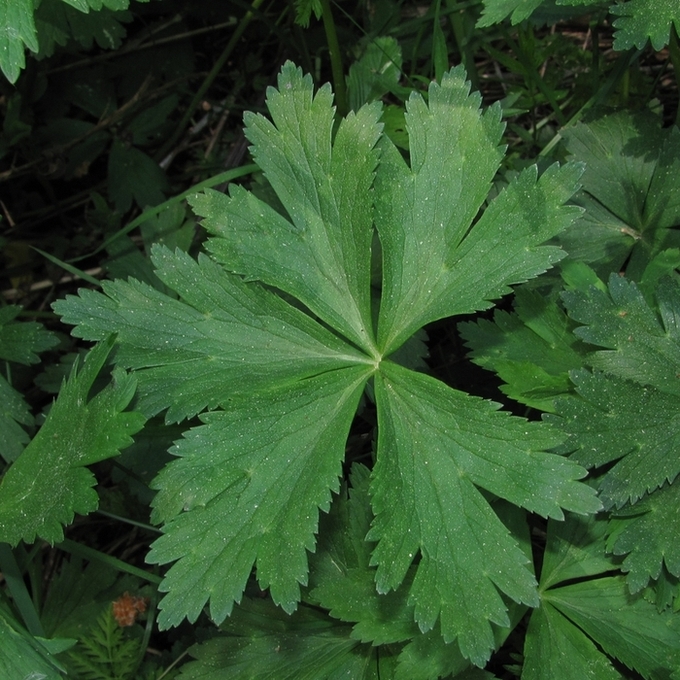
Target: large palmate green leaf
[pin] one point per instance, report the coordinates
(281, 379)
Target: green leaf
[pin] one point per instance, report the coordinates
(194, 353)
(424, 212)
(132, 175)
(626, 627)
(21, 341)
(341, 577)
(325, 656)
(642, 344)
(581, 619)
(23, 656)
(247, 489)
(611, 419)
(555, 649)
(650, 537)
(375, 73)
(325, 190)
(532, 350)
(496, 10)
(77, 596)
(435, 446)
(97, 5)
(282, 380)
(49, 481)
(57, 23)
(14, 413)
(620, 151)
(575, 549)
(642, 20)
(639, 20)
(428, 657)
(263, 643)
(632, 169)
(16, 30)
(304, 9)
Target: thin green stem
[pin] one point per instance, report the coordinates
(205, 86)
(223, 177)
(17, 588)
(90, 554)
(336, 59)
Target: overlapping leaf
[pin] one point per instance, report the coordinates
(611, 420)
(632, 169)
(59, 21)
(649, 536)
(285, 656)
(375, 73)
(628, 415)
(20, 342)
(642, 20)
(642, 344)
(587, 617)
(532, 350)
(22, 655)
(49, 482)
(626, 627)
(282, 387)
(343, 581)
(17, 29)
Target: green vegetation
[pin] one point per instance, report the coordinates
(384, 382)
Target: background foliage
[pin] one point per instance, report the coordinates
(320, 335)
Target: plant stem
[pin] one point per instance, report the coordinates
(336, 59)
(17, 587)
(205, 86)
